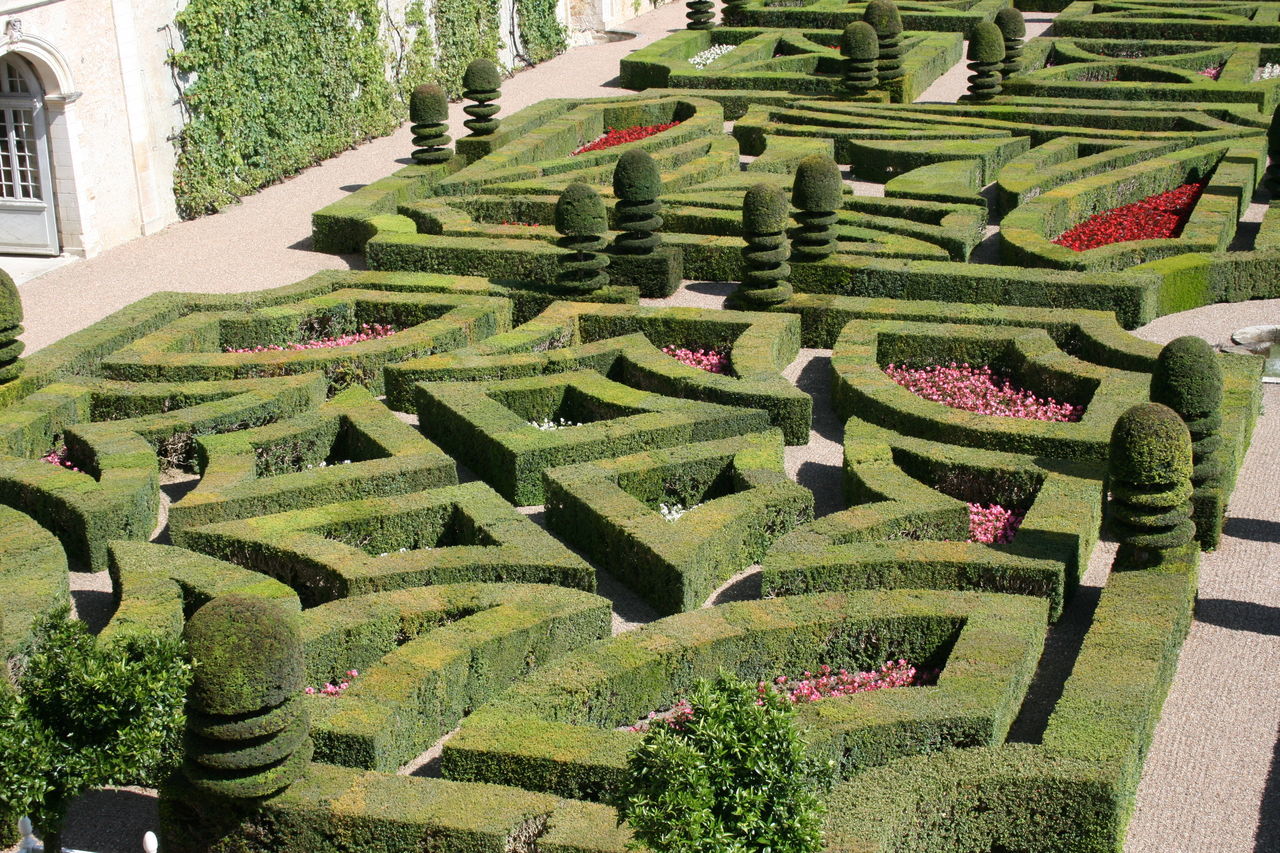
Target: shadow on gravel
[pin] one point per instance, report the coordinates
(1267, 840)
(110, 821)
(1252, 529)
(93, 607)
(1239, 616)
(815, 380)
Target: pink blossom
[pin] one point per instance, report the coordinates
(368, 332)
(710, 360)
(827, 683)
(981, 390)
(60, 456)
(993, 524)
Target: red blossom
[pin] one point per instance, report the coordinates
(619, 136)
(1156, 217)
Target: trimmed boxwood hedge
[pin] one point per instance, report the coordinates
(738, 501)
(33, 580)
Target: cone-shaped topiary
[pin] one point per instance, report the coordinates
(986, 56)
(700, 16)
(1150, 477)
(860, 48)
(481, 83)
(764, 220)
(1188, 379)
(637, 183)
(10, 328)
(582, 221)
(1013, 28)
(248, 734)
(428, 110)
(883, 17)
(818, 192)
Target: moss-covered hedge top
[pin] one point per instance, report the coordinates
(248, 655)
(1150, 446)
(986, 43)
(428, 103)
(1188, 378)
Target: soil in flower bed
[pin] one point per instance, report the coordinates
(825, 683)
(1156, 217)
(367, 332)
(621, 135)
(710, 360)
(980, 389)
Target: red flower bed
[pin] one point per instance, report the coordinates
(618, 136)
(981, 390)
(1155, 217)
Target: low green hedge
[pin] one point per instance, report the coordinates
(455, 534)
(285, 465)
(427, 656)
(1168, 21)
(958, 17)
(738, 501)
(559, 732)
(908, 494)
(33, 581)
(487, 425)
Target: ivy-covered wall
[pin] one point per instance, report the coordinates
(273, 86)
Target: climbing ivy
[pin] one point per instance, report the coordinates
(541, 35)
(465, 30)
(414, 51)
(277, 86)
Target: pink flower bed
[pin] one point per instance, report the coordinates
(993, 524)
(1211, 72)
(368, 332)
(333, 689)
(59, 456)
(710, 360)
(981, 390)
(826, 683)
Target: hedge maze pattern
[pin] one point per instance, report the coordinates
(372, 493)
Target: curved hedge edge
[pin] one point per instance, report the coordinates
(34, 577)
(427, 656)
(156, 587)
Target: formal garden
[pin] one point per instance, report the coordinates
(513, 541)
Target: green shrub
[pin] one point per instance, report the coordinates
(429, 110)
(1150, 473)
(817, 193)
(1013, 28)
(481, 84)
(582, 222)
(986, 59)
(861, 48)
(883, 16)
(10, 328)
(700, 15)
(637, 183)
(86, 714)
(764, 222)
(731, 777)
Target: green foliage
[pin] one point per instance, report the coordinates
(1187, 378)
(986, 58)
(482, 76)
(542, 36)
(428, 103)
(429, 110)
(466, 30)
(732, 778)
(637, 177)
(247, 656)
(87, 714)
(481, 84)
(580, 212)
(1011, 23)
(818, 186)
(883, 15)
(764, 210)
(637, 183)
(700, 15)
(1150, 446)
(859, 42)
(986, 43)
(10, 328)
(276, 89)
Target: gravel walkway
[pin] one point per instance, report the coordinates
(1212, 770)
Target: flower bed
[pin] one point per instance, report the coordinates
(622, 135)
(711, 54)
(368, 332)
(1211, 72)
(1156, 217)
(60, 456)
(981, 390)
(331, 689)
(553, 423)
(710, 360)
(993, 524)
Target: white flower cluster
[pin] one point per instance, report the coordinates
(710, 55)
(326, 464)
(550, 423)
(406, 550)
(672, 512)
(1266, 72)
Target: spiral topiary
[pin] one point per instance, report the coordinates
(1013, 28)
(986, 57)
(428, 110)
(1188, 379)
(728, 7)
(700, 15)
(860, 48)
(248, 733)
(884, 18)
(637, 183)
(10, 327)
(1150, 476)
(582, 222)
(818, 192)
(764, 221)
(481, 83)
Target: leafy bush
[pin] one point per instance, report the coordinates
(728, 774)
(87, 714)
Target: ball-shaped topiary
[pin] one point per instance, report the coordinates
(10, 327)
(429, 110)
(248, 732)
(860, 48)
(481, 83)
(1188, 379)
(582, 221)
(1013, 29)
(986, 57)
(817, 193)
(884, 18)
(765, 212)
(699, 15)
(637, 183)
(1150, 476)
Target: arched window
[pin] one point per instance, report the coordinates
(28, 222)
